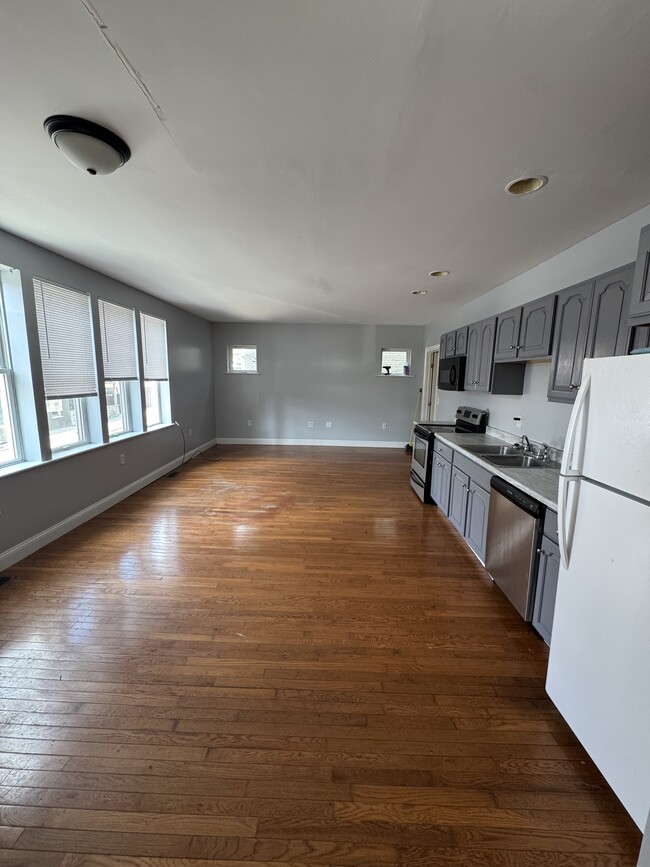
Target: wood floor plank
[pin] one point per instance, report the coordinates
(283, 658)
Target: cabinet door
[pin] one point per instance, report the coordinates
(486, 354)
(536, 331)
(461, 341)
(547, 575)
(507, 335)
(473, 356)
(608, 328)
(440, 477)
(640, 302)
(450, 344)
(640, 337)
(458, 499)
(478, 506)
(443, 346)
(570, 341)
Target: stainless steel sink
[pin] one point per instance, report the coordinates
(492, 450)
(516, 460)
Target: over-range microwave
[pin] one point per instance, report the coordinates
(451, 373)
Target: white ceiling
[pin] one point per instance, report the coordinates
(313, 160)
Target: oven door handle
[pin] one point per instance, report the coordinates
(415, 478)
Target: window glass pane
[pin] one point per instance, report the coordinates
(243, 359)
(152, 403)
(396, 360)
(8, 446)
(65, 419)
(117, 408)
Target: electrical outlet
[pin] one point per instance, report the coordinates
(517, 421)
(384, 425)
(310, 424)
(328, 424)
(189, 433)
(122, 459)
(250, 422)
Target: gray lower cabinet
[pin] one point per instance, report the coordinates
(440, 482)
(547, 577)
(639, 312)
(478, 506)
(608, 324)
(458, 499)
(570, 341)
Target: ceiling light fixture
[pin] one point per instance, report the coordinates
(87, 145)
(438, 273)
(524, 186)
(419, 291)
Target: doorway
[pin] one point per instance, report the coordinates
(430, 383)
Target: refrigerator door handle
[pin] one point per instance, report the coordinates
(566, 517)
(567, 468)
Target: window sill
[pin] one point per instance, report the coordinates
(19, 467)
(396, 375)
(241, 373)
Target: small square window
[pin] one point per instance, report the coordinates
(396, 362)
(242, 359)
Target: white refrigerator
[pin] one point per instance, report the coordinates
(599, 665)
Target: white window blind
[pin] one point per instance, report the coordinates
(117, 327)
(66, 339)
(154, 346)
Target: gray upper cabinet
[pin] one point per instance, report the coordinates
(608, 328)
(525, 333)
(487, 333)
(570, 341)
(640, 337)
(450, 344)
(507, 335)
(473, 356)
(461, 341)
(640, 302)
(536, 330)
(443, 346)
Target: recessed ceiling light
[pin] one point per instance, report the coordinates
(419, 292)
(524, 186)
(438, 273)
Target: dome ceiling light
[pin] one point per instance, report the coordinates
(87, 145)
(524, 186)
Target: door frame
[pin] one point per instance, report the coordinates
(430, 383)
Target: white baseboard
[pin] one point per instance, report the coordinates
(29, 546)
(360, 444)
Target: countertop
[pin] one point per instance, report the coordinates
(540, 483)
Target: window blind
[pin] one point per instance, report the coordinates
(66, 340)
(154, 346)
(117, 328)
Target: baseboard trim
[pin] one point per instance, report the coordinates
(360, 444)
(31, 545)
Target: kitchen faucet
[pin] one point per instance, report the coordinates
(525, 444)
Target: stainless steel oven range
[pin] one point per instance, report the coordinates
(468, 420)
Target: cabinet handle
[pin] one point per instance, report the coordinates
(519, 347)
(574, 386)
(463, 486)
(513, 347)
(542, 551)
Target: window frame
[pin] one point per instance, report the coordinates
(229, 359)
(408, 353)
(163, 390)
(6, 371)
(127, 413)
(81, 420)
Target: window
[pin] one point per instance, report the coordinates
(120, 358)
(68, 359)
(396, 362)
(156, 376)
(9, 439)
(242, 359)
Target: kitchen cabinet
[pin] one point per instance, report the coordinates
(478, 506)
(640, 337)
(461, 341)
(480, 354)
(548, 571)
(525, 333)
(458, 499)
(570, 341)
(449, 342)
(440, 482)
(639, 312)
(608, 323)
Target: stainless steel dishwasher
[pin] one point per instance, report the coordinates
(513, 538)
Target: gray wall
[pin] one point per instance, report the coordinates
(317, 373)
(543, 421)
(34, 499)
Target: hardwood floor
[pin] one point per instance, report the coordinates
(283, 658)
